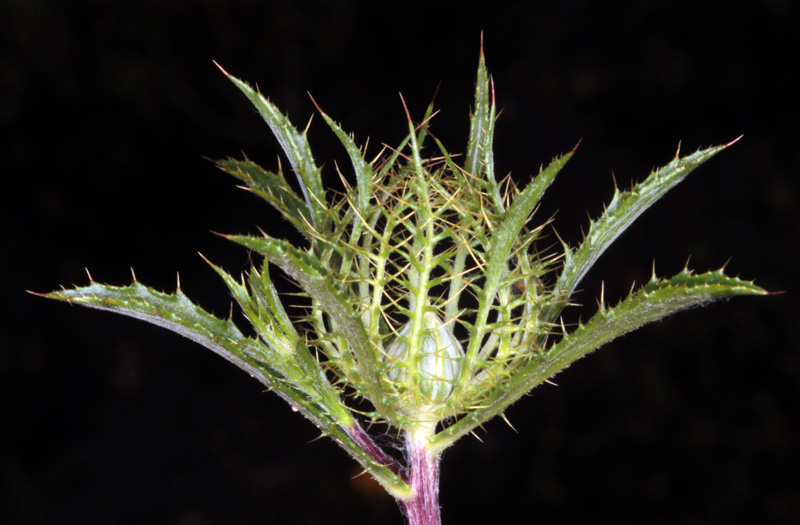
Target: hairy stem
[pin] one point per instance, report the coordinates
(423, 507)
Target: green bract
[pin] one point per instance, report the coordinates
(429, 297)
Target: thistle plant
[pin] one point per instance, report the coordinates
(430, 306)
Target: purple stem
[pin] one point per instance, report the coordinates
(378, 455)
(423, 507)
(422, 476)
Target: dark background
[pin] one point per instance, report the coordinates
(109, 110)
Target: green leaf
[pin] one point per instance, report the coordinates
(296, 360)
(423, 126)
(273, 188)
(263, 318)
(312, 276)
(178, 314)
(658, 299)
(480, 153)
(364, 187)
(266, 294)
(295, 145)
(503, 240)
(272, 366)
(624, 208)
(360, 166)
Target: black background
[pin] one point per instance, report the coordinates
(109, 110)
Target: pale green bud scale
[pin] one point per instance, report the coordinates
(438, 363)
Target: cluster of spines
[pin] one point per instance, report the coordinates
(377, 280)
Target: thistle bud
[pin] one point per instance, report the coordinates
(438, 361)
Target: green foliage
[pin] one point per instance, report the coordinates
(428, 296)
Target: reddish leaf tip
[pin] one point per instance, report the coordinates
(315, 103)
(221, 68)
(734, 141)
(405, 107)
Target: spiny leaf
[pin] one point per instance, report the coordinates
(480, 154)
(360, 166)
(422, 132)
(502, 242)
(318, 282)
(273, 188)
(262, 318)
(295, 145)
(624, 208)
(658, 299)
(174, 312)
(306, 371)
(266, 294)
(178, 314)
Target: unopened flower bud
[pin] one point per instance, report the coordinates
(438, 361)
